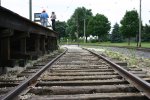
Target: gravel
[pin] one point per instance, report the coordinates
(129, 52)
(133, 57)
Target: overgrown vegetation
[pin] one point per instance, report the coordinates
(132, 60)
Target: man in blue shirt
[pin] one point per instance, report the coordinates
(44, 18)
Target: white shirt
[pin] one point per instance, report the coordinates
(53, 16)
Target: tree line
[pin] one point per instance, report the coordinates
(99, 25)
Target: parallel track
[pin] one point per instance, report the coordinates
(80, 75)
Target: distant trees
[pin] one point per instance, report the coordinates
(116, 36)
(76, 22)
(95, 25)
(61, 29)
(130, 25)
(99, 26)
(146, 33)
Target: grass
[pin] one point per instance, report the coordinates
(132, 44)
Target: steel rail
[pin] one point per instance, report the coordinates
(12, 94)
(141, 85)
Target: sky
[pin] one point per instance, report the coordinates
(114, 10)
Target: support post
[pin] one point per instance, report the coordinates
(5, 49)
(42, 44)
(55, 44)
(37, 45)
(30, 9)
(23, 45)
(48, 44)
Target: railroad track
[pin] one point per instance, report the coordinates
(13, 79)
(80, 75)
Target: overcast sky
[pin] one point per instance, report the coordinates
(114, 10)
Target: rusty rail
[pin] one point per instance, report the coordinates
(12, 94)
(140, 84)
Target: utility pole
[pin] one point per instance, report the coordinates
(77, 23)
(30, 9)
(0, 2)
(78, 30)
(84, 31)
(139, 44)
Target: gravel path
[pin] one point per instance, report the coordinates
(125, 51)
(129, 52)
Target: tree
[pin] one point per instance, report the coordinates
(130, 24)
(116, 36)
(71, 28)
(76, 22)
(99, 26)
(91, 26)
(61, 29)
(146, 33)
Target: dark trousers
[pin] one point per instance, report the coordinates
(53, 24)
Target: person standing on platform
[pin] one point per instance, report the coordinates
(53, 17)
(44, 18)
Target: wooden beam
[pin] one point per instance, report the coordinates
(5, 49)
(6, 33)
(37, 45)
(23, 45)
(42, 44)
(20, 35)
